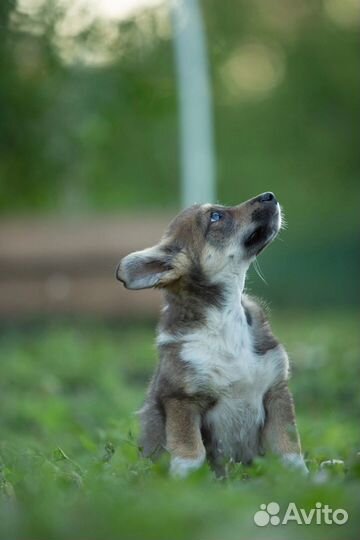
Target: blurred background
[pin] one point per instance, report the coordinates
(90, 169)
(89, 134)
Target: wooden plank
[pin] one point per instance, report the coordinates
(61, 295)
(54, 267)
(99, 236)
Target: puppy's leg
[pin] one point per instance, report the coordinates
(280, 434)
(152, 437)
(183, 436)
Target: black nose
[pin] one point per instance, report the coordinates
(267, 197)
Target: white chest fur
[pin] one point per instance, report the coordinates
(225, 365)
(223, 360)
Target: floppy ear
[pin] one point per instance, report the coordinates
(151, 267)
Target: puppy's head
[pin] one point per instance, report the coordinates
(209, 239)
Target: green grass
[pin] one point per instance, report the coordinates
(69, 463)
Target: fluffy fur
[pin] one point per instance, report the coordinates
(220, 390)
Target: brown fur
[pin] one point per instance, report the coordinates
(280, 434)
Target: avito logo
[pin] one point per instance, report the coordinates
(321, 514)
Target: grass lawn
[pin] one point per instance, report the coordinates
(69, 463)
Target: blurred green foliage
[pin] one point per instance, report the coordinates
(108, 130)
(69, 463)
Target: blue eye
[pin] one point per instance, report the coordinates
(215, 216)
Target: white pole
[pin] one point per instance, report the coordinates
(196, 121)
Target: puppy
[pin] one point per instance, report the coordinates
(220, 390)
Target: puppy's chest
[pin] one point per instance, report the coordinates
(222, 361)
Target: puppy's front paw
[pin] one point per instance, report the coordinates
(295, 461)
(181, 467)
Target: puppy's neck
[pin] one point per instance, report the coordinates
(233, 282)
(189, 302)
